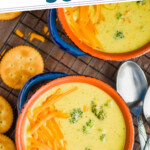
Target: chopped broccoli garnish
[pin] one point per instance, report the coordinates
(100, 130)
(103, 137)
(87, 148)
(119, 16)
(143, 2)
(90, 123)
(109, 103)
(119, 35)
(85, 130)
(98, 111)
(75, 115)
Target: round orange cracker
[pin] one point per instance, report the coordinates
(19, 64)
(6, 143)
(6, 115)
(9, 16)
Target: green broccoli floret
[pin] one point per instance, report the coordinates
(85, 130)
(143, 2)
(87, 148)
(119, 16)
(90, 123)
(103, 137)
(98, 111)
(119, 35)
(109, 103)
(75, 115)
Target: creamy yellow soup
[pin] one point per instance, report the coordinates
(84, 130)
(120, 28)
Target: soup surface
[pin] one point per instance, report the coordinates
(111, 28)
(94, 122)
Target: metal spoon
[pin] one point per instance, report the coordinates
(146, 110)
(146, 106)
(132, 86)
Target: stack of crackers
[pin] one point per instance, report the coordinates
(6, 120)
(16, 67)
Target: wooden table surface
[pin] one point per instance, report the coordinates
(58, 60)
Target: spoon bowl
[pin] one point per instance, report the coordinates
(131, 83)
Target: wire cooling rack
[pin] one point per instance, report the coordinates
(57, 60)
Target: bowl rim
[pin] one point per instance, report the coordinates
(80, 79)
(102, 55)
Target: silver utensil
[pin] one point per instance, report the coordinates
(146, 111)
(132, 86)
(146, 106)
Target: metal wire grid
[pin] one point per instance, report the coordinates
(57, 60)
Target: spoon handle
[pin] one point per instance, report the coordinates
(142, 132)
(147, 144)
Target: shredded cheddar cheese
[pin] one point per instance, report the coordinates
(45, 29)
(36, 36)
(19, 33)
(45, 131)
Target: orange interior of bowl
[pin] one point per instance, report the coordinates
(96, 53)
(82, 79)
